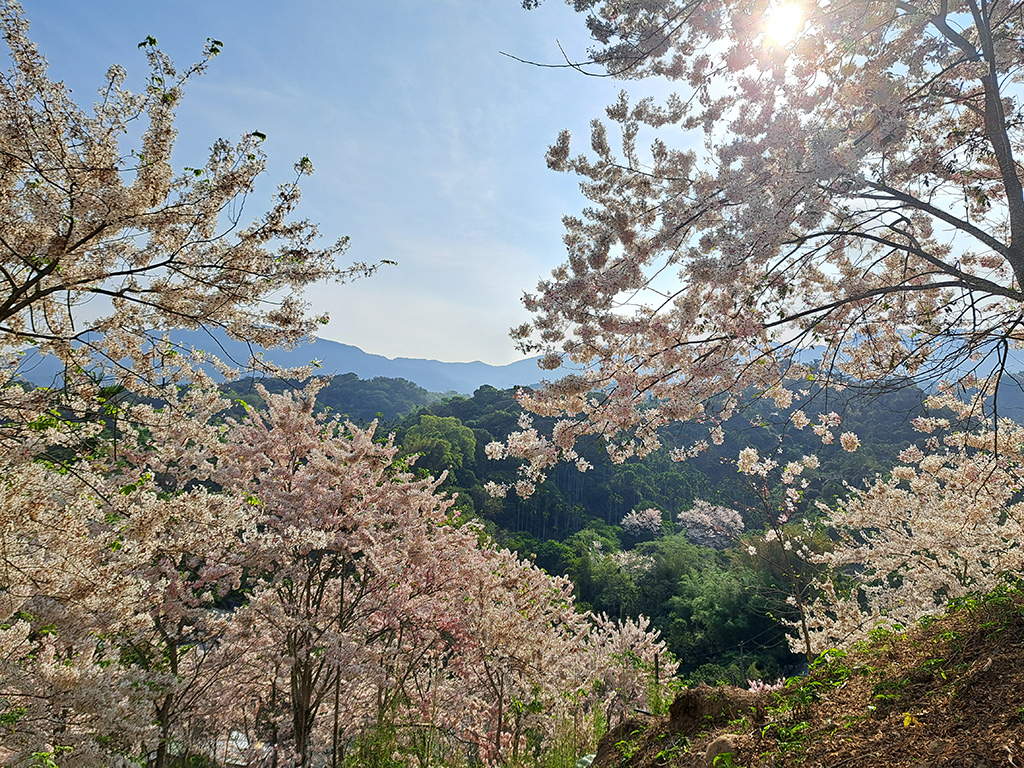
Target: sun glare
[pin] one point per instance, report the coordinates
(784, 21)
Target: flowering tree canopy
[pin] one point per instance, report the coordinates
(711, 525)
(640, 521)
(946, 523)
(104, 244)
(320, 593)
(845, 204)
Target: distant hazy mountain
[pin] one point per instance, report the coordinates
(432, 375)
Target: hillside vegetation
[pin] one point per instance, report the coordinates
(347, 395)
(948, 692)
(715, 605)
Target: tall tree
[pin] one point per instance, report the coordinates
(443, 442)
(104, 246)
(107, 576)
(346, 553)
(842, 201)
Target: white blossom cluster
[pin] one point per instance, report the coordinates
(642, 521)
(946, 522)
(711, 525)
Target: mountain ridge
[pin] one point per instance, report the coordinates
(334, 357)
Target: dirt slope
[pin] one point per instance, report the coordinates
(950, 692)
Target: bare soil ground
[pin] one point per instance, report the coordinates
(948, 693)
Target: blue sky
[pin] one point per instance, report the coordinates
(428, 143)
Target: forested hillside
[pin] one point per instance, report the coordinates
(714, 606)
(346, 395)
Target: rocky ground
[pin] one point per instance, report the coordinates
(948, 693)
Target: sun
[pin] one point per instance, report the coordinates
(784, 22)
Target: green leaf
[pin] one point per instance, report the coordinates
(11, 716)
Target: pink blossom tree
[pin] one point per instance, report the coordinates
(84, 217)
(58, 685)
(343, 556)
(107, 579)
(369, 608)
(531, 668)
(111, 640)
